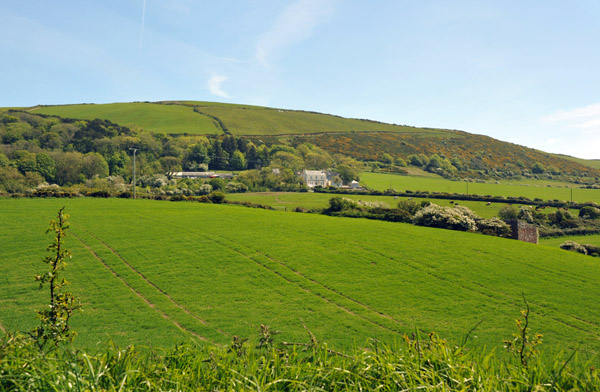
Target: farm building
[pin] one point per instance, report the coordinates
(313, 178)
(201, 175)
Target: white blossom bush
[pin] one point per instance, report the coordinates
(494, 226)
(457, 218)
(574, 247)
(372, 204)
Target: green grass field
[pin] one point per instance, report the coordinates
(151, 117)
(593, 239)
(266, 121)
(595, 163)
(179, 117)
(532, 189)
(156, 273)
(288, 201)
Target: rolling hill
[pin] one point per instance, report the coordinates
(156, 273)
(361, 139)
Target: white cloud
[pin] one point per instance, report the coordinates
(574, 132)
(585, 118)
(214, 85)
(293, 25)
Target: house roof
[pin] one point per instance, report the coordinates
(314, 172)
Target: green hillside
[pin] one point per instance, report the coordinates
(363, 140)
(595, 163)
(179, 117)
(151, 272)
(149, 116)
(266, 121)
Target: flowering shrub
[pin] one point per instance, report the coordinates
(494, 226)
(457, 218)
(574, 247)
(370, 204)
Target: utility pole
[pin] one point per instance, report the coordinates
(134, 151)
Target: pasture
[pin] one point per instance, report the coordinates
(593, 239)
(267, 121)
(179, 117)
(532, 189)
(148, 116)
(156, 273)
(288, 201)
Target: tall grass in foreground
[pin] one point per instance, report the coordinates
(427, 363)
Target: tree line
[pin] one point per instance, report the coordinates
(39, 148)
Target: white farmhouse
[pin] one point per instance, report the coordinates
(313, 178)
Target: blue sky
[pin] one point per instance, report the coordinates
(525, 71)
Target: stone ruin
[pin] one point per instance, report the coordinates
(524, 231)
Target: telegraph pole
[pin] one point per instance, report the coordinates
(134, 151)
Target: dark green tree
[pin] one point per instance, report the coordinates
(538, 168)
(197, 155)
(252, 159)
(25, 161)
(219, 157)
(94, 164)
(346, 173)
(237, 161)
(46, 166)
(229, 144)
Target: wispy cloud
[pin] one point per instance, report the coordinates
(142, 28)
(293, 25)
(585, 118)
(574, 132)
(214, 85)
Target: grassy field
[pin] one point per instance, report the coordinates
(266, 121)
(239, 119)
(595, 163)
(582, 239)
(151, 117)
(288, 201)
(532, 189)
(157, 273)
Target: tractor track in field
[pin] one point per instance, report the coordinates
(502, 294)
(423, 269)
(307, 290)
(281, 263)
(2, 328)
(150, 304)
(315, 282)
(141, 275)
(417, 267)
